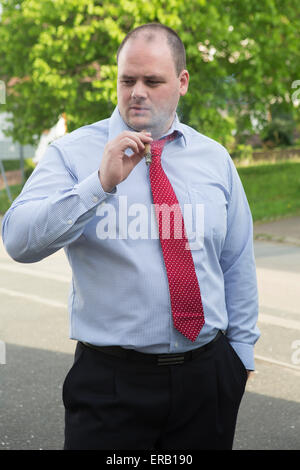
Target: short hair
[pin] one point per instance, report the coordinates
(173, 40)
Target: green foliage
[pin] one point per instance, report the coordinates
(4, 201)
(15, 189)
(280, 130)
(29, 166)
(272, 189)
(59, 56)
(242, 153)
(11, 165)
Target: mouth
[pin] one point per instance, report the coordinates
(138, 108)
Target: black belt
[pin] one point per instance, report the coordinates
(158, 359)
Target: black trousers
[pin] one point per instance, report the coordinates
(112, 403)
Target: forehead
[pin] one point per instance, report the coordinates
(145, 54)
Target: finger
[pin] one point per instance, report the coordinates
(142, 134)
(139, 137)
(145, 136)
(130, 143)
(146, 132)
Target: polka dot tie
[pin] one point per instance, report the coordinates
(185, 296)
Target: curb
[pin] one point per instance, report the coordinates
(277, 239)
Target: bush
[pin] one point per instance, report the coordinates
(29, 166)
(278, 132)
(4, 201)
(242, 153)
(13, 165)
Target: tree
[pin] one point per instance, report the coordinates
(59, 56)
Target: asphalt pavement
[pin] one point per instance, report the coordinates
(34, 326)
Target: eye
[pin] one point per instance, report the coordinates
(128, 82)
(153, 83)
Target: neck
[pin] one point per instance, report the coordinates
(159, 131)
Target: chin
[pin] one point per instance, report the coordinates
(138, 125)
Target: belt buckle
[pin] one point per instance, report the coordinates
(170, 359)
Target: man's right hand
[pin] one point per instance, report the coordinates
(116, 165)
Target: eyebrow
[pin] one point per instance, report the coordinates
(147, 77)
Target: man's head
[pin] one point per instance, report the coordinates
(151, 77)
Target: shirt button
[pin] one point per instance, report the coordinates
(95, 199)
(176, 345)
(69, 222)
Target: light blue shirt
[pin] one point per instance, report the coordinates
(119, 293)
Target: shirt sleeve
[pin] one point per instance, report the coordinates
(239, 271)
(51, 211)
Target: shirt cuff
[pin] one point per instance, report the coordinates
(91, 192)
(245, 353)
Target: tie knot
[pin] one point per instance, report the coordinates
(158, 145)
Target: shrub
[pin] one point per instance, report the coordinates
(242, 153)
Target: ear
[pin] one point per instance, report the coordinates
(184, 82)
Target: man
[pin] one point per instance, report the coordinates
(165, 324)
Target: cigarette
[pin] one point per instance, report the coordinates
(147, 154)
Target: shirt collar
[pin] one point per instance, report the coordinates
(117, 125)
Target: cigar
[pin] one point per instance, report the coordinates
(147, 154)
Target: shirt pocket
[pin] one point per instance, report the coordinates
(208, 216)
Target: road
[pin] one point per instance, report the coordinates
(269, 417)
(34, 327)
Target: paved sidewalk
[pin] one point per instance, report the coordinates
(284, 230)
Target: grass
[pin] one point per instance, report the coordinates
(4, 201)
(273, 189)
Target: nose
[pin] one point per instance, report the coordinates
(139, 91)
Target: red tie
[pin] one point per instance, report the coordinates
(186, 304)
